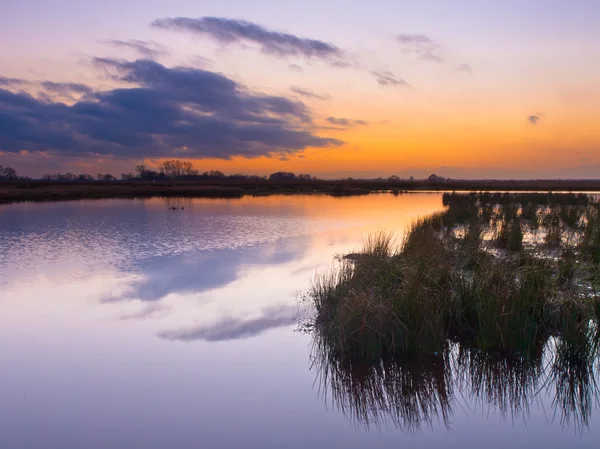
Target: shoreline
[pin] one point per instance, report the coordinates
(51, 191)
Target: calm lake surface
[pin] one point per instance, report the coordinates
(124, 324)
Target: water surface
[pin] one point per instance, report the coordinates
(124, 324)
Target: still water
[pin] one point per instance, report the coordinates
(124, 324)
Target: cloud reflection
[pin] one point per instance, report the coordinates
(206, 270)
(235, 328)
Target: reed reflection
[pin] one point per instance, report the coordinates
(416, 393)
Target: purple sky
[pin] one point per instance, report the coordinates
(335, 87)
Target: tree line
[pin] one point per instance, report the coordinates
(174, 169)
(168, 170)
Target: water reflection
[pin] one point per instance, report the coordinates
(233, 329)
(416, 393)
(200, 271)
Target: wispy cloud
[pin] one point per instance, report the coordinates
(346, 122)
(201, 61)
(422, 46)
(387, 78)
(234, 329)
(534, 119)
(148, 311)
(66, 88)
(295, 68)
(146, 49)
(231, 31)
(10, 82)
(309, 94)
(465, 68)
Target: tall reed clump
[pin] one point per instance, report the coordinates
(510, 235)
(390, 301)
(590, 241)
(502, 304)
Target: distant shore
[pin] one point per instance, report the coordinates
(38, 190)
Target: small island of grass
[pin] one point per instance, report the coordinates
(501, 272)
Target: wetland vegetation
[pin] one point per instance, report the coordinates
(496, 296)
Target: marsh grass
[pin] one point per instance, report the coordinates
(441, 281)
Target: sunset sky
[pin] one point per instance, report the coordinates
(464, 89)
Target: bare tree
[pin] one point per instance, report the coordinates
(177, 169)
(8, 173)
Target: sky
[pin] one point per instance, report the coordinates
(463, 89)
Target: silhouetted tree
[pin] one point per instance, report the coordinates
(8, 173)
(305, 177)
(141, 169)
(177, 169)
(282, 176)
(213, 174)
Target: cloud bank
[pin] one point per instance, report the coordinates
(179, 111)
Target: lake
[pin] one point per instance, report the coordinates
(125, 324)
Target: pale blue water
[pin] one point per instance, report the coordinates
(127, 325)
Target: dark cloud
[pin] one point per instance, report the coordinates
(63, 89)
(234, 329)
(465, 68)
(9, 82)
(422, 46)
(309, 94)
(345, 122)
(230, 31)
(295, 68)
(534, 119)
(386, 78)
(146, 49)
(169, 112)
(66, 88)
